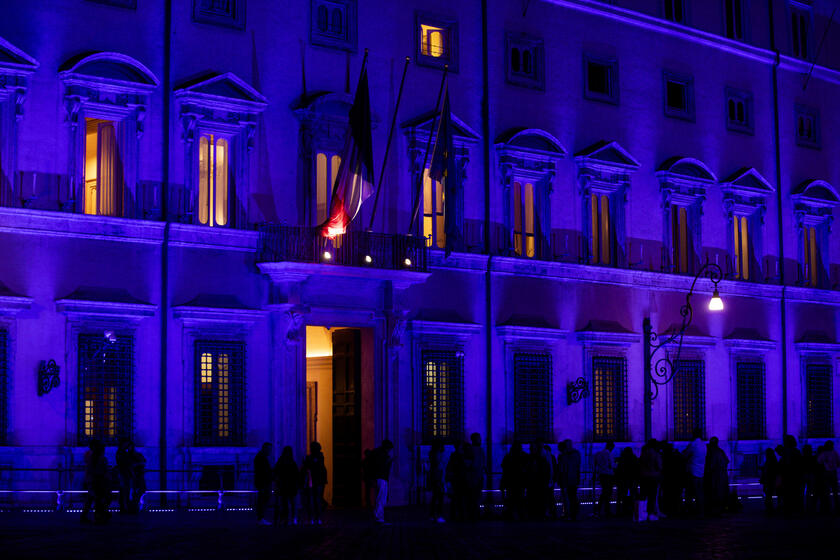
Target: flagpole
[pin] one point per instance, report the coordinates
(388, 145)
(432, 131)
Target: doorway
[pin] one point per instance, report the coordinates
(339, 405)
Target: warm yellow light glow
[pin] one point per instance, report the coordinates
(368, 259)
(407, 261)
(327, 255)
(716, 304)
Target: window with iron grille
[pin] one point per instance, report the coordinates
(818, 400)
(106, 371)
(751, 406)
(219, 392)
(609, 382)
(532, 396)
(4, 386)
(689, 398)
(443, 395)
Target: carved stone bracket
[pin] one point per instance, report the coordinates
(296, 328)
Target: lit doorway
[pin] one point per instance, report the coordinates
(339, 405)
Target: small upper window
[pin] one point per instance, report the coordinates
(600, 79)
(807, 123)
(801, 29)
(679, 96)
(525, 61)
(333, 24)
(227, 13)
(733, 19)
(674, 10)
(437, 41)
(739, 110)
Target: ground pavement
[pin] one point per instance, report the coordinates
(352, 534)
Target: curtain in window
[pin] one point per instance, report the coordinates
(213, 177)
(109, 171)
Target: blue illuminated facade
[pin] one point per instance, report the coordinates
(161, 175)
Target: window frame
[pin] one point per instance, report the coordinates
(814, 114)
(671, 3)
(744, 29)
(345, 41)
(237, 405)
(455, 415)
(450, 26)
(212, 209)
(699, 399)
(535, 45)
(806, 10)
(745, 97)
(741, 431)
(611, 63)
(523, 432)
(622, 428)
(687, 82)
(812, 430)
(233, 19)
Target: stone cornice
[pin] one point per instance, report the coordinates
(514, 333)
(288, 271)
(459, 332)
(13, 304)
(94, 309)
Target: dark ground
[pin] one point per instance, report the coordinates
(351, 534)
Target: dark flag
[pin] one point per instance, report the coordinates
(354, 180)
(442, 169)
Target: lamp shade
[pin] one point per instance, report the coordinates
(716, 304)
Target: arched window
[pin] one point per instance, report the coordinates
(213, 157)
(526, 62)
(514, 59)
(322, 18)
(336, 22)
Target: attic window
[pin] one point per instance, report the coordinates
(333, 24)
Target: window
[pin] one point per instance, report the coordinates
(818, 399)
(106, 369)
(443, 395)
(532, 396)
(739, 110)
(4, 385)
(609, 381)
(733, 19)
(602, 243)
(325, 173)
(683, 253)
(807, 126)
(525, 61)
(742, 246)
(674, 10)
(750, 388)
(679, 96)
(213, 155)
(689, 398)
(437, 40)
(600, 79)
(227, 13)
(433, 212)
(333, 24)
(219, 393)
(103, 169)
(524, 242)
(801, 30)
(812, 265)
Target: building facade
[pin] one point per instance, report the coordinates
(163, 166)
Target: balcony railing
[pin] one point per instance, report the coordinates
(279, 243)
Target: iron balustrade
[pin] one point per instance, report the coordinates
(279, 243)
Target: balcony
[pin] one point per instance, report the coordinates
(360, 249)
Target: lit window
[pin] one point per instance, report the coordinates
(733, 19)
(679, 96)
(682, 249)
(105, 387)
(433, 41)
(436, 41)
(524, 242)
(433, 212)
(220, 375)
(674, 11)
(739, 109)
(812, 263)
(609, 382)
(213, 156)
(326, 169)
(807, 126)
(602, 241)
(800, 28)
(600, 79)
(103, 169)
(742, 246)
(443, 395)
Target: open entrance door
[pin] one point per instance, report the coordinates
(347, 417)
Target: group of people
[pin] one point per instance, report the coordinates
(288, 481)
(804, 481)
(463, 475)
(129, 477)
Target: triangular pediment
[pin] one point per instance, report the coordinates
(14, 60)
(608, 154)
(688, 168)
(531, 140)
(817, 192)
(227, 86)
(750, 181)
(424, 123)
(108, 68)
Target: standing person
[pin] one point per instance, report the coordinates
(650, 475)
(382, 458)
(695, 459)
(93, 479)
(286, 484)
(262, 481)
(568, 478)
(790, 465)
(456, 478)
(627, 481)
(314, 474)
(138, 486)
(809, 477)
(769, 478)
(514, 466)
(716, 477)
(539, 478)
(605, 471)
(436, 481)
(125, 474)
(478, 474)
(829, 460)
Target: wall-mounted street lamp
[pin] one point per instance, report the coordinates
(660, 368)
